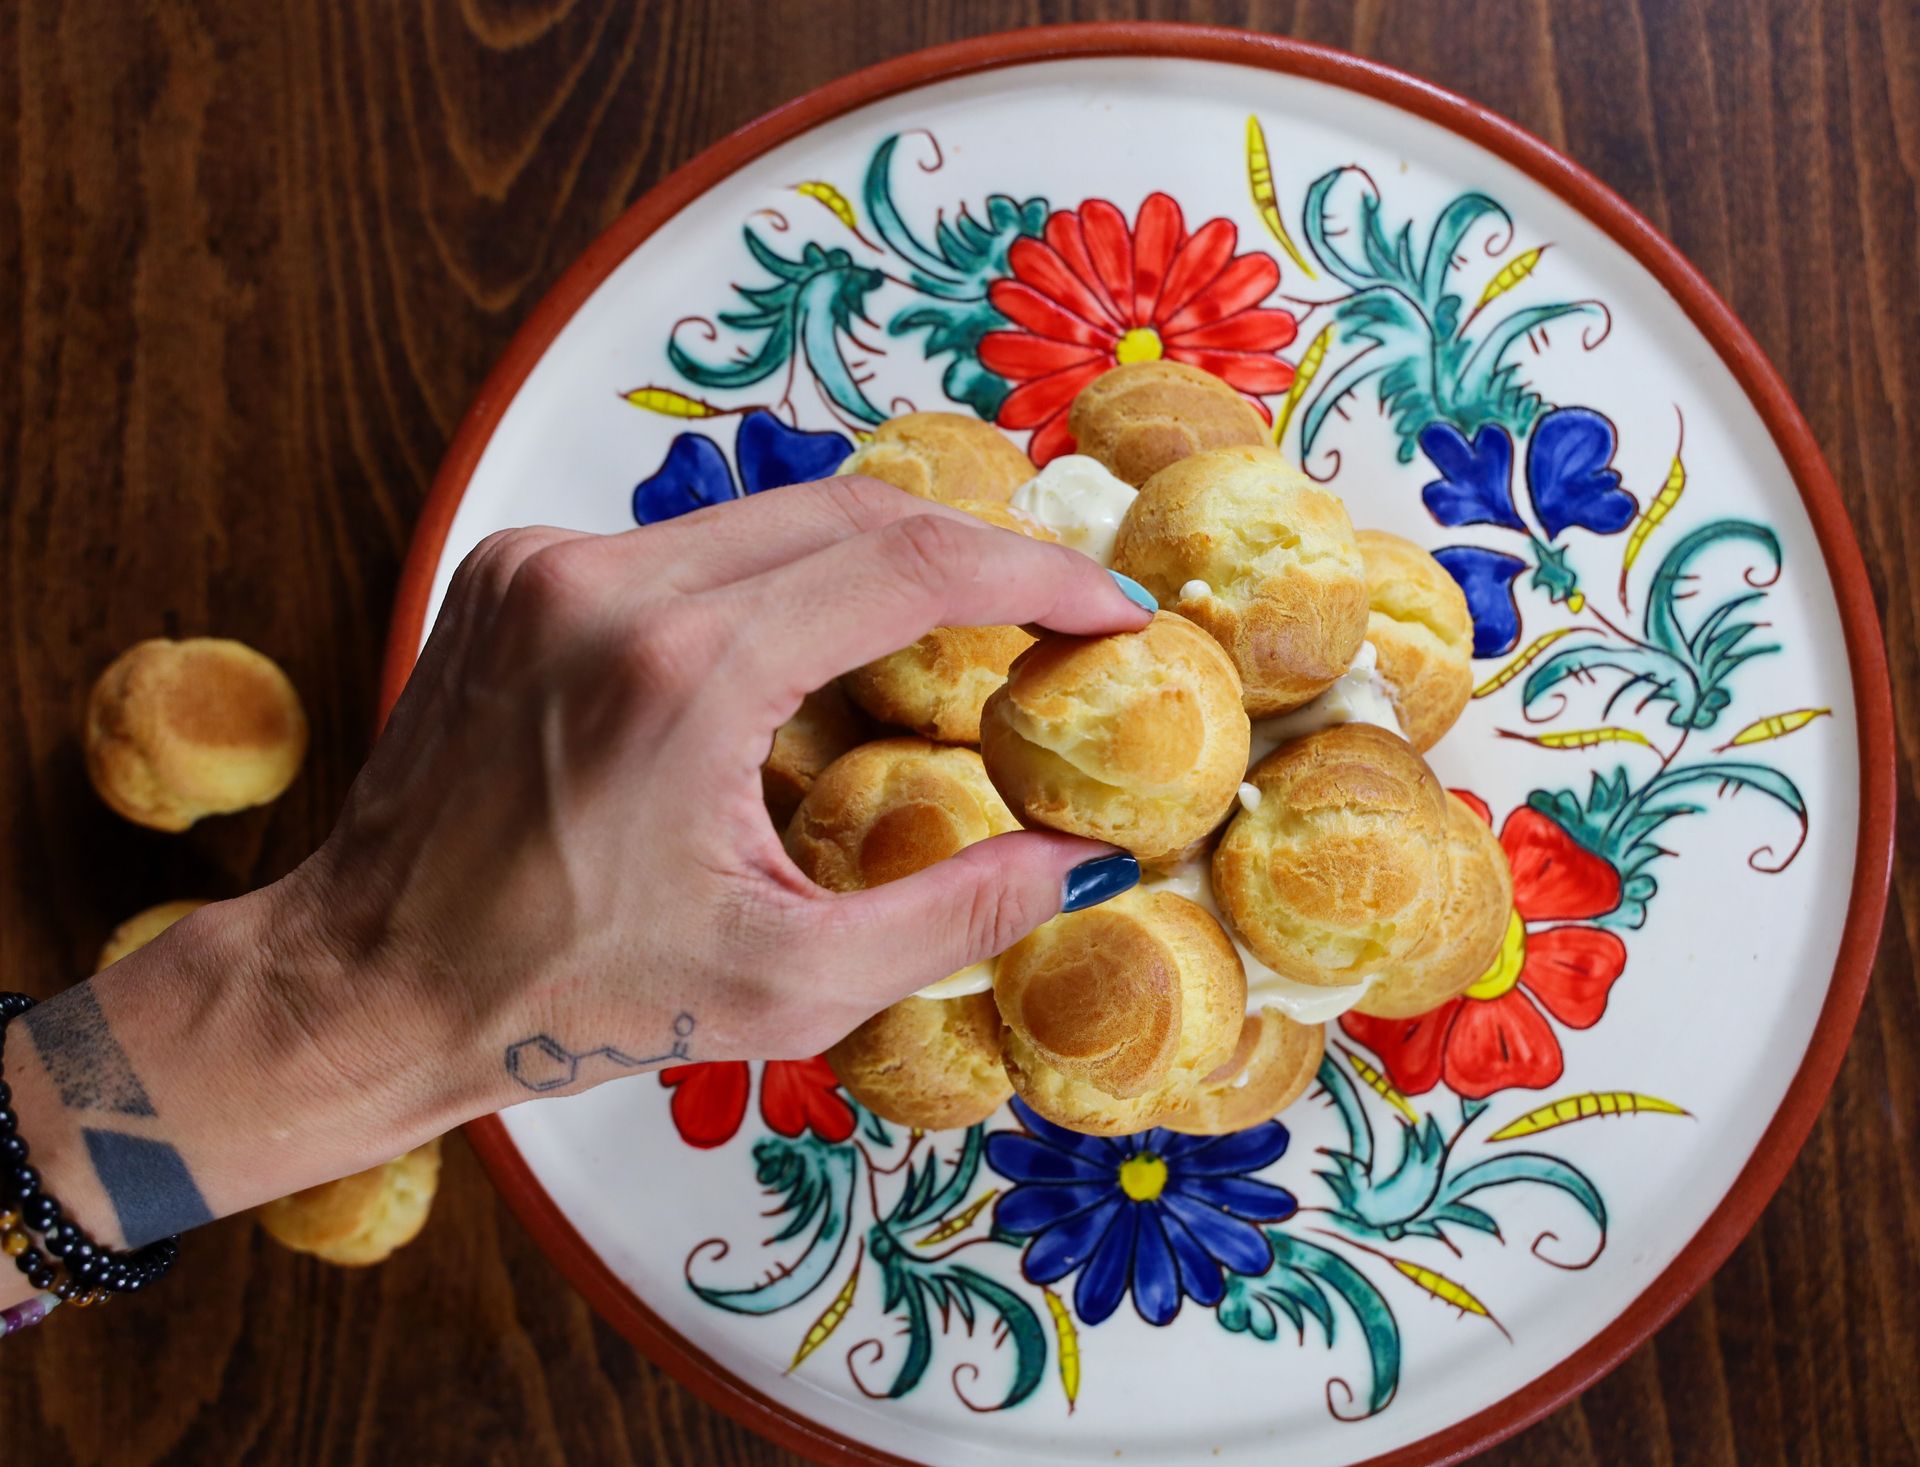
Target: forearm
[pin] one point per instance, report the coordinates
(230, 1062)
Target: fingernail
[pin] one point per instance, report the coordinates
(1099, 880)
(1138, 594)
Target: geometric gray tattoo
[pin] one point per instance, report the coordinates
(151, 1189)
(540, 1062)
(87, 1065)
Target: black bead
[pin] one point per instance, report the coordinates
(8, 1120)
(13, 1151)
(59, 1239)
(23, 1181)
(40, 1212)
(25, 1261)
(40, 1275)
(89, 1267)
(6, 1094)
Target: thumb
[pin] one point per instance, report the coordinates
(971, 906)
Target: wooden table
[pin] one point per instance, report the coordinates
(257, 258)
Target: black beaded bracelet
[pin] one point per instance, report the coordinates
(67, 1263)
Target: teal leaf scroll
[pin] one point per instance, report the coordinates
(811, 304)
(1408, 326)
(1303, 1283)
(813, 1180)
(953, 274)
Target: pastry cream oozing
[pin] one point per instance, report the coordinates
(975, 978)
(1360, 695)
(1080, 501)
(1249, 796)
(1304, 1003)
(1195, 591)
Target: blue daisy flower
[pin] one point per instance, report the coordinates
(695, 474)
(1159, 1214)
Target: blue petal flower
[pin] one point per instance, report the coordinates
(1487, 578)
(1239, 1245)
(1568, 474)
(1028, 1159)
(1156, 1278)
(1476, 487)
(1200, 1273)
(1103, 1283)
(1034, 1209)
(693, 475)
(1060, 1250)
(771, 454)
(1235, 1152)
(1241, 1196)
(1100, 1148)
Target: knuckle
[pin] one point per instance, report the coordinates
(927, 553)
(995, 918)
(671, 650)
(864, 501)
(543, 582)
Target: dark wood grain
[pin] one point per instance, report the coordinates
(255, 258)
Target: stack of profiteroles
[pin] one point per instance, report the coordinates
(1258, 747)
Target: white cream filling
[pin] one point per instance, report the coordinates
(1080, 501)
(1360, 695)
(977, 978)
(1304, 1003)
(1195, 591)
(1249, 796)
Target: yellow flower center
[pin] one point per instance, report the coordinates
(1142, 344)
(1142, 1177)
(1505, 971)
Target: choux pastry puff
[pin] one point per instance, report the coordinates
(944, 456)
(881, 812)
(1419, 624)
(1465, 938)
(1340, 869)
(824, 727)
(1247, 547)
(1113, 1013)
(141, 928)
(178, 730)
(1271, 1066)
(1140, 417)
(1139, 739)
(936, 687)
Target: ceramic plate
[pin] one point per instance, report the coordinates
(1680, 733)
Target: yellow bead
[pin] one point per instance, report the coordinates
(9, 1220)
(16, 1243)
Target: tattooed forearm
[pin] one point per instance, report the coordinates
(145, 1179)
(540, 1062)
(151, 1190)
(86, 1064)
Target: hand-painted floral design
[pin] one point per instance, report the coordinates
(1496, 1036)
(1091, 294)
(710, 1100)
(770, 454)
(1158, 1214)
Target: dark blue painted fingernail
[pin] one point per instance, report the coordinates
(1099, 880)
(1138, 594)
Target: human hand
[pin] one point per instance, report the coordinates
(559, 848)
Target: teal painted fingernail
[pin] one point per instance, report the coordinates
(1138, 594)
(1099, 880)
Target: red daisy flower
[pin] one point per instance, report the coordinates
(710, 1100)
(1092, 294)
(1494, 1036)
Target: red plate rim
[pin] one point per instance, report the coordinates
(1866, 657)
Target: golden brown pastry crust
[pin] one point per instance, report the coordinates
(1342, 866)
(1419, 624)
(1143, 416)
(890, 808)
(1465, 937)
(1271, 1067)
(178, 730)
(936, 687)
(1138, 739)
(944, 456)
(934, 1063)
(823, 729)
(361, 1219)
(141, 928)
(1110, 1012)
(1287, 591)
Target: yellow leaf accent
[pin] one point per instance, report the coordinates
(1580, 738)
(670, 404)
(830, 1318)
(1585, 1107)
(1517, 270)
(960, 1221)
(1442, 1288)
(1382, 1088)
(1775, 726)
(1303, 374)
(1068, 1335)
(1260, 180)
(1520, 664)
(1662, 506)
(835, 201)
